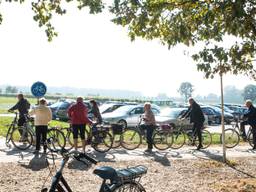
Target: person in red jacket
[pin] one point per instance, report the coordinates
(78, 114)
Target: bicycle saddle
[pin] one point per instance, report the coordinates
(106, 173)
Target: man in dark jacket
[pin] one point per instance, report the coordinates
(250, 115)
(23, 107)
(197, 118)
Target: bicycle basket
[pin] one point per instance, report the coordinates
(131, 173)
(117, 129)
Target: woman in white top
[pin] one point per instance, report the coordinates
(43, 116)
(150, 123)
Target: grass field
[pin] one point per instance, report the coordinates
(8, 102)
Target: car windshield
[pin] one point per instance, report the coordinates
(172, 113)
(123, 109)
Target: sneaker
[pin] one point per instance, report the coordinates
(148, 151)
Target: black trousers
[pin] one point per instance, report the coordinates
(79, 128)
(254, 134)
(21, 122)
(41, 134)
(242, 128)
(197, 130)
(149, 131)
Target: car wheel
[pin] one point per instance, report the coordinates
(124, 123)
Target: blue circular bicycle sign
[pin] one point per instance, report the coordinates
(38, 89)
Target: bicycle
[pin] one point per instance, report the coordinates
(99, 139)
(232, 135)
(132, 138)
(181, 136)
(113, 180)
(24, 136)
(11, 127)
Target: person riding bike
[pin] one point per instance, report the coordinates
(251, 120)
(23, 107)
(197, 118)
(78, 114)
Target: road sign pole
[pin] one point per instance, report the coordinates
(222, 119)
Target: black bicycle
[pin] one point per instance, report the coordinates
(122, 180)
(23, 137)
(100, 139)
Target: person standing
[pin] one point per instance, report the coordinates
(78, 114)
(96, 115)
(23, 107)
(43, 115)
(197, 118)
(251, 120)
(150, 124)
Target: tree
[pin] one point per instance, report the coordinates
(186, 90)
(0, 90)
(11, 89)
(196, 21)
(249, 92)
(45, 10)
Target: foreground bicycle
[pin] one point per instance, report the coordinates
(233, 135)
(181, 136)
(122, 180)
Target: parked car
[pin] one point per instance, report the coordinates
(109, 107)
(128, 115)
(214, 115)
(54, 107)
(170, 116)
(62, 111)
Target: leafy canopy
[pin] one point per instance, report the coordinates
(189, 22)
(193, 21)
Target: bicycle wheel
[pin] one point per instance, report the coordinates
(9, 133)
(129, 186)
(131, 139)
(116, 141)
(55, 139)
(102, 141)
(21, 138)
(162, 140)
(178, 139)
(250, 138)
(231, 138)
(206, 139)
(70, 139)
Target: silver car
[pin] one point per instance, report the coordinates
(128, 115)
(171, 116)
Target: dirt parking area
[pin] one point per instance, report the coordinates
(197, 175)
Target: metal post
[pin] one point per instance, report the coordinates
(222, 119)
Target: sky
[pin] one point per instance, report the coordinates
(92, 52)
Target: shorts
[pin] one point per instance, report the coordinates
(81, 129)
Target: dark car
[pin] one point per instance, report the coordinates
(62, 111)
(214, 115)
(54, 107)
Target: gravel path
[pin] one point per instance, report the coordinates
(173, 176)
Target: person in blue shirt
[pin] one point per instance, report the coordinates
(250, 116)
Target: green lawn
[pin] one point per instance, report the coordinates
(8, 102)
(5, 121)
